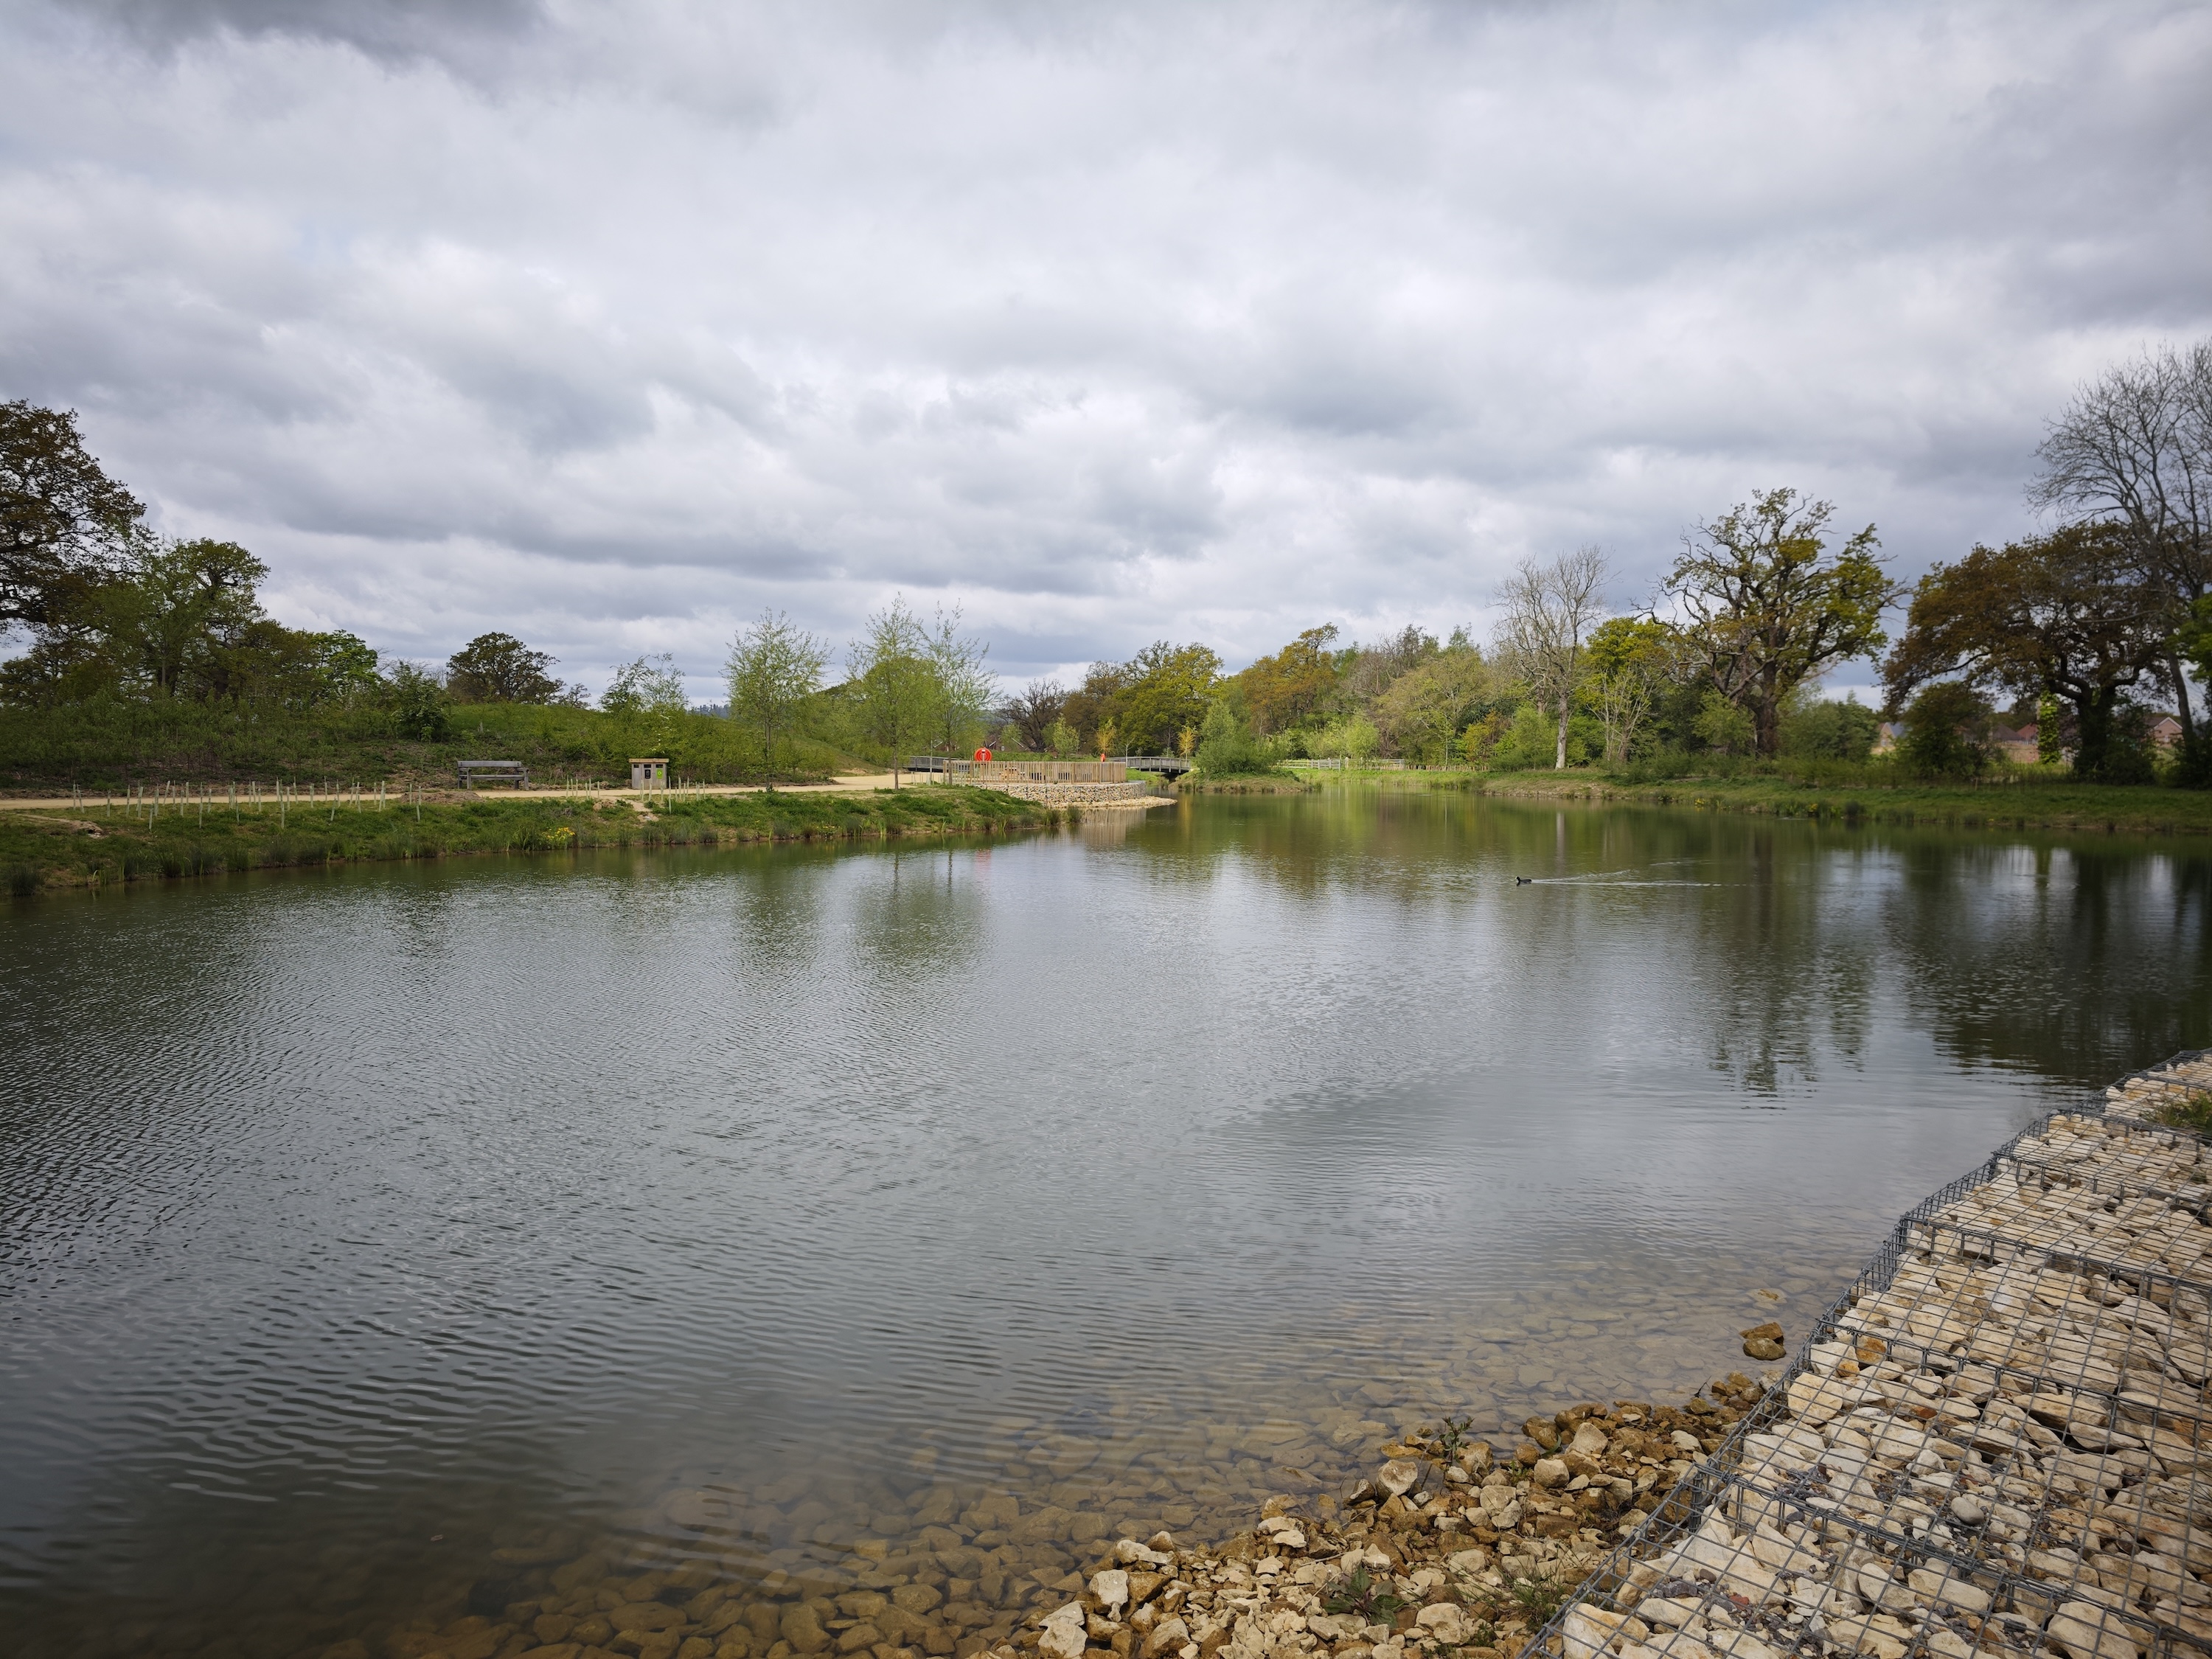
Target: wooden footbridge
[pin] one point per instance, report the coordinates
(1117, 770)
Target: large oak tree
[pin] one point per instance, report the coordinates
(500, 668)
(2072, 615)
(1767, 605)
(64, 525)
(2133, 451)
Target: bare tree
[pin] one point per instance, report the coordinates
(1550, 610)
(1032, 711)
(2134, 448)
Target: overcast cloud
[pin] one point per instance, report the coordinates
(609, 325)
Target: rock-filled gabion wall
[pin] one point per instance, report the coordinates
(1997, 1444)
(1081, 794)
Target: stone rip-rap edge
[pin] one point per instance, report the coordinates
(1997, 1448)
(1448, 1548)
(1427, 1558)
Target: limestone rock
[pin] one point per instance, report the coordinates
(1112, 1590)
(1444, 1623)
(2088, 1631)
(1954, 1592)
(1066, 1633)
(1170, 1634)
(645, 1616)
(801, 1626)
(1398, 1476)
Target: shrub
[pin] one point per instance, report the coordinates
(1724, 728)
(1227, 747)
(1821, 730)
(1946, 732)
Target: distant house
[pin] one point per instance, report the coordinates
(2166, 732)
(2019, 746)
(1887, 736)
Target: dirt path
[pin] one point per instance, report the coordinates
(93, 799)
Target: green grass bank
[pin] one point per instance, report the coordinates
(113, 743)
(2024, 802)
(97, 845)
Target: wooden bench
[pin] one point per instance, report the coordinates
(511, 772)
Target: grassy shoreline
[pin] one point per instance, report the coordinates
(2023, 804)
(98, 846)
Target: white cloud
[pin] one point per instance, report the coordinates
(612, 325)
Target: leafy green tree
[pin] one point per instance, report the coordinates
(1724, 727)
(65, 526)
(1060, 739)
(1162, 689)
(182, 621)
(500, 668)
(1817, 727)
(1767, 605)
(774, 667)
(894, 676)
(1297, 686)
(1946, 731)
(1530, 741)
(1633, 660)
(189, 609)
(1350, 737)
(2072, 614)
(1226, 745)
(1425, 707)
(963, 687)
(648, 685)
(646, 695)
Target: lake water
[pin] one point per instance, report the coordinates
(736, 1208)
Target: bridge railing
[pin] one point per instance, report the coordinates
(1022, 771)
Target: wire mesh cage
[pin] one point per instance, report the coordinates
(1990, 1443)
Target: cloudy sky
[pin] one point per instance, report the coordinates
(611, 325)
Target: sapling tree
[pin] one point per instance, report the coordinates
(893, 679)
(649, 694)
(775, 666)
(964, 686)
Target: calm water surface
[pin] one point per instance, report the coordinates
(728, 1206)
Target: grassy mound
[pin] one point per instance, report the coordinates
(98, 845)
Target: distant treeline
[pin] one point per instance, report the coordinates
(158, 654)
